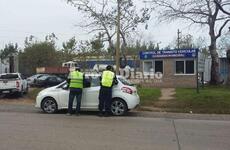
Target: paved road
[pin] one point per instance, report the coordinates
(33, 130)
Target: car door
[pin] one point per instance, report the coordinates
(63, 93)
(64, 97)
(91, 93)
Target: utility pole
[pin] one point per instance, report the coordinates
(178, 38)
(118, 37)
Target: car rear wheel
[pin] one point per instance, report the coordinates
(119, 107)
(49, 105)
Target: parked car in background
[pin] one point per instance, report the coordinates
(32, 79)
(48, 81)
(13, 83)
(125, 96)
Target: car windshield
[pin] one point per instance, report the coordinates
(9, 76)
(59, 79)
(125, 81)
(38, 75)
(43, 77)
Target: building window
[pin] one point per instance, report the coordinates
(153, 66)
(179, 67)
(159, 66)
(148, 66)
(185, 67)
(189, 67)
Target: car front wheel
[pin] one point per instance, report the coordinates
(118, 107)
(49, 105)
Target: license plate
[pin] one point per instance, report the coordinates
(5, 91)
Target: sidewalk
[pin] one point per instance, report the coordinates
(168, 115)
(31, 109)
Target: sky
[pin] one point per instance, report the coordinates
(22, 18)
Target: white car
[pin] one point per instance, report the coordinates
(124, 97)
(11, 83)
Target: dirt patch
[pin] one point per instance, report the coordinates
(17, 101)
(167, 94)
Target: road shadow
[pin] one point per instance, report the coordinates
(11, 96)
(93, 113)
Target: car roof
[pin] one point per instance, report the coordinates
(97, 75)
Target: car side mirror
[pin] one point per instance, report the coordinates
(65, 87)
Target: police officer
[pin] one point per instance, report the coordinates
(108, 79)
(75, 82)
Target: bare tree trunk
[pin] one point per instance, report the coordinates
(228, 80)
(124, 49)
(215, 76)
(228, 57)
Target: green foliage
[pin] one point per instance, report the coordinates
(69, 50)
(10, 49)
(149, 95)
(210, 100)
(141, 46)
(39, 54)
(97, 45)
(70, 46)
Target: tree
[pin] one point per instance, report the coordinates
(201, 12)
(224, 44)
(69, 49)
(228, 57)
(101, 17)
(184, 41)
(201, 44)
(153, 46)
(84, 49)
(97, 45)
(38, 54)
(222, 4)
(9, 50)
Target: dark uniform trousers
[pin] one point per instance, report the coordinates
(105, 99)
(75, 92)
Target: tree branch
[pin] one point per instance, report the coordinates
(221, 28)
(221, 7)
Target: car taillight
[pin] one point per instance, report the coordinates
(17, 84)
(127, 90)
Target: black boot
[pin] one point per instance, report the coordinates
(100, 114)
(107, 114)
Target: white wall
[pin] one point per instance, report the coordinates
(207, 69)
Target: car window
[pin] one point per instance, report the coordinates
(87, 82)
(95, 81)
(23, 77)
(9, 76)
(91, 81)
(125, 81)
(52, 79)
(43, 77)
(59, 79)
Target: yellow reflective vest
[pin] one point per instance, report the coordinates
(76, 79)
(107, 78)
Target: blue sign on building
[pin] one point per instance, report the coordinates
(178, 53)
